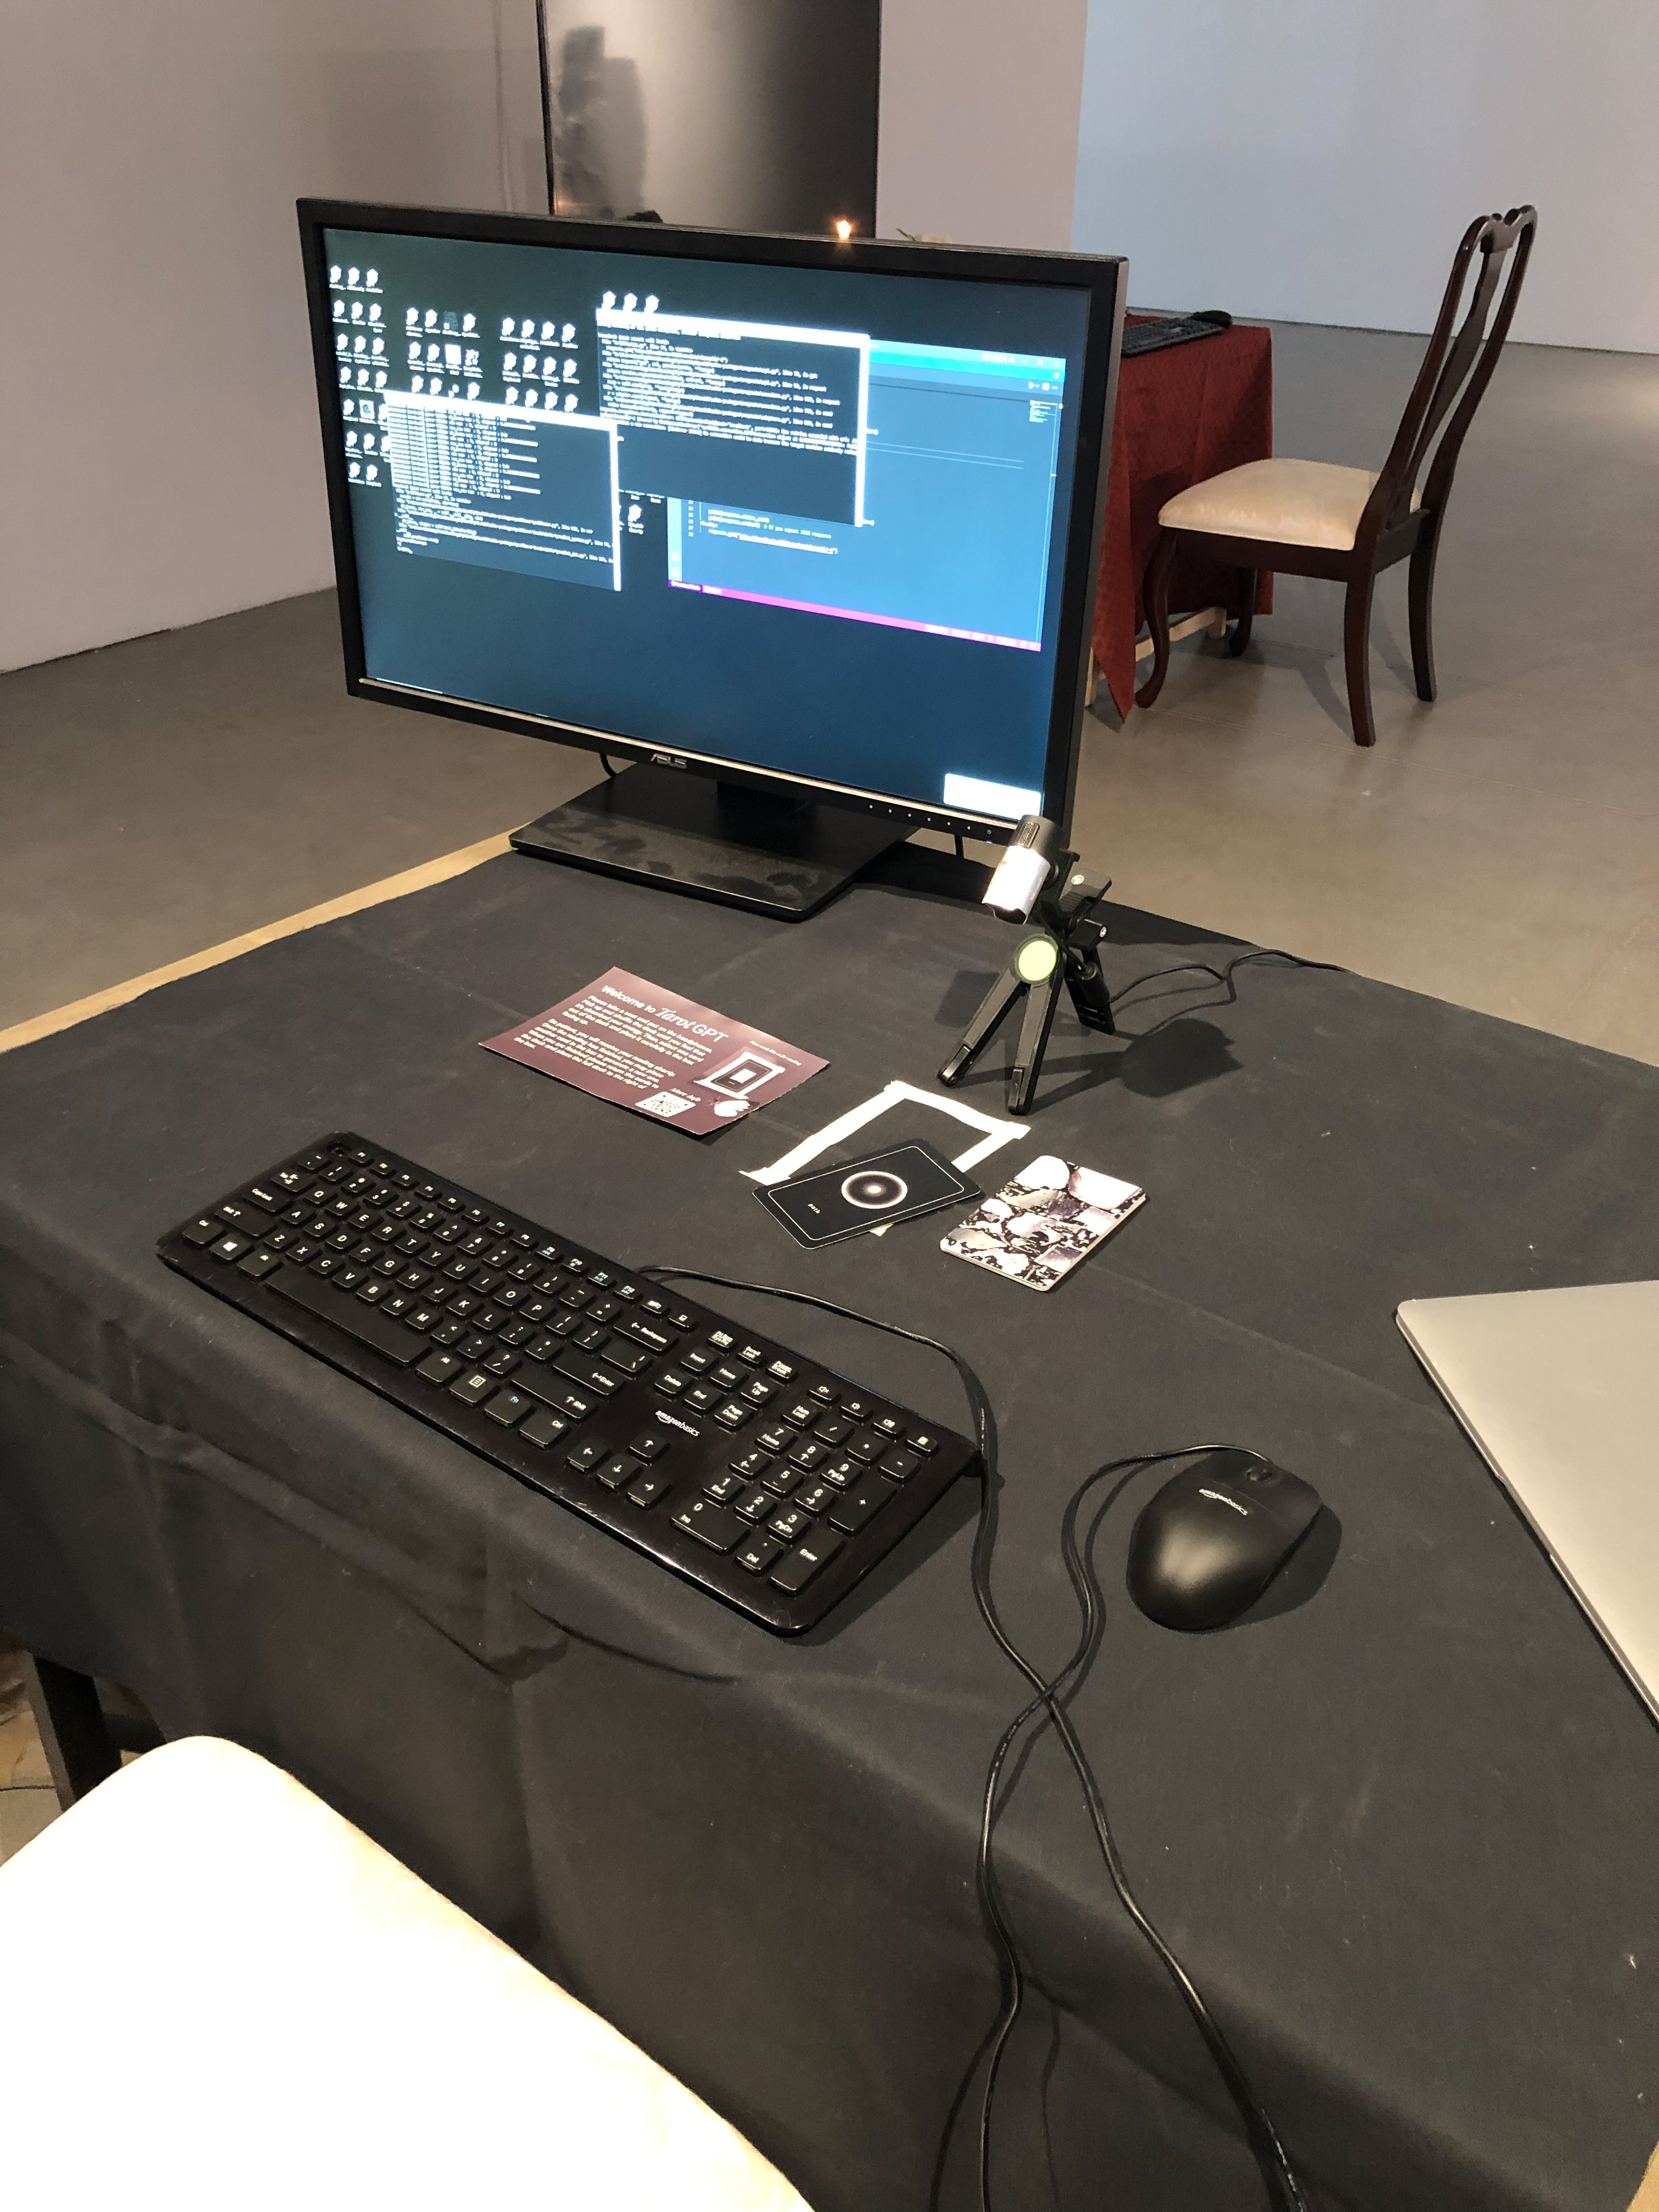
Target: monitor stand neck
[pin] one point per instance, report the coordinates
(774, 854)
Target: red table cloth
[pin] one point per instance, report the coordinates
(1184, 413)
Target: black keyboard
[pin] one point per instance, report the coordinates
(1174, 329)
(748, 1469)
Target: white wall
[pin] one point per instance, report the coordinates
(159, 449)
(1318, 160)
(159, 446)
(979, 119)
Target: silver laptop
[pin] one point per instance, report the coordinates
(1560, 1391)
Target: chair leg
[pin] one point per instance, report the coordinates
(1241, 636)
(1357, 646)
(1421, 600)
(1156, 592)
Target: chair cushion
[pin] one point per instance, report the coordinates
(218, 1992)
(1298, 502)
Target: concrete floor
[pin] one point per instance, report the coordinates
(1498, 850)
(27, 1800)
(168, 793)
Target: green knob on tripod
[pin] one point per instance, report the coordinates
(1036, 959)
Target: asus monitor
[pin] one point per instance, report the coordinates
(806, 528)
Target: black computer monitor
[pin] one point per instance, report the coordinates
(808, 528)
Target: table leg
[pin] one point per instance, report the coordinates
(73, 1734)
(1213, 620)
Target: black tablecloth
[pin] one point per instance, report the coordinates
(1401, 1826)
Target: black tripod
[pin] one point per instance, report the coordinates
(1058, 945)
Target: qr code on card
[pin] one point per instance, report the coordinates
(668, 1103)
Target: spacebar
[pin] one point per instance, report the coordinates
(389, 1338)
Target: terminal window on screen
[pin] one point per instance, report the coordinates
(838, 474)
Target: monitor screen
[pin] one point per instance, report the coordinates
(802, 521)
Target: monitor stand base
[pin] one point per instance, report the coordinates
(714, 841)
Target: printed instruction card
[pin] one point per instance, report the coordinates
(639, 1046)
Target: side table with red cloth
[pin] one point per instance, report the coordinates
(1184, 413)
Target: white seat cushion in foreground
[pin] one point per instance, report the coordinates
(1298, 502)
(215, 1992)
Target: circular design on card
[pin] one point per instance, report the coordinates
(729, 1109)
(877, 1193)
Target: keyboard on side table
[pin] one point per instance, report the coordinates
(746, 1468)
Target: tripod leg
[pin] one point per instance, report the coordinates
(992, 1008)
(1033, 1042)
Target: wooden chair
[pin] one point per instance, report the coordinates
(1312, 519)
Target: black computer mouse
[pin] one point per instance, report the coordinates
(1209, 1543)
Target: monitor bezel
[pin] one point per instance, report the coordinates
(1103, 278)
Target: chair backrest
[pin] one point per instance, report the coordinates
(1453, 366)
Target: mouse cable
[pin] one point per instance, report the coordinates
(1278, 2174)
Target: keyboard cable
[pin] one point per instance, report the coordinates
(1049, 1697)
